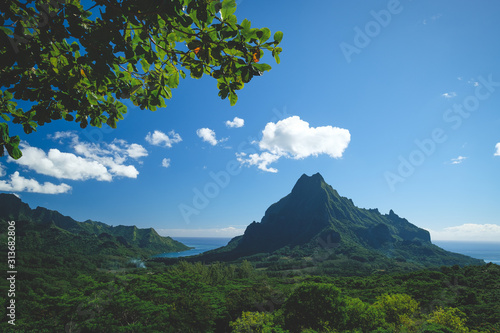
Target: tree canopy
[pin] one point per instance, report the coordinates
(64, 60)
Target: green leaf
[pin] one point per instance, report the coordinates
(8, 94)
(145, 65)
(135, 88)
(264, 34)
(233, 98)
(91, 97)
(111, 122)
(278, 36)
(245, 24)
(262, 67)
(53, 61)
(276, 52)
(13, 147)
(246, 74)
(228, 8)
(5, 117)
(7, 31)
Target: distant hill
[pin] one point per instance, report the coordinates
(314, 217)
(52, 230)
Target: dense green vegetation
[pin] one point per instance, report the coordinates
(68, 293)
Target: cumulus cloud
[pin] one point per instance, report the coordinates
(62, 165)
(158, 138)
(101, 161)
(497, 149)
(214, 232)
(207, 135)
(111, 156)
(18, 183)
(468, 232)
(165, 162)
(235, 123)
(262, 160)
(136, 151)
(294, 138)
(449, 95)
(458, 160)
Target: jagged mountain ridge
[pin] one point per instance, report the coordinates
(314, 211)
(13, 208)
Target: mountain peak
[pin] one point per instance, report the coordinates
(308, 182)
(9, 196)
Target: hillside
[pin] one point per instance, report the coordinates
(54, 227)
(314, 218)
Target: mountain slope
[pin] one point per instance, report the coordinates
(314, 214)
(148, 240)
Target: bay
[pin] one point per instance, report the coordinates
(200, 245)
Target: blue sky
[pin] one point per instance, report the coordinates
(395, 103)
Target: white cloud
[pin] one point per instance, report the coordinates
(449, 95)
(165, 162)
(112, 156)
(458, 160)
(235, 123)
(101, 162)
(228, 232)
(18, 183)
(159, 138)
(62, 165)
(2, 170)
(136, 151)
(473, 82)
(497, 149)
(468, 232)
(62, 135)
(89, 161)
(432, 18)
(262, 160)
(294, 138)
(207, 135)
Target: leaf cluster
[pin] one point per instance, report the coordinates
(78, 64)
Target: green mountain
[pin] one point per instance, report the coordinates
(314, 217)
(55, 226)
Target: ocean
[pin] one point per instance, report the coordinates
(488, 251)
(200, 245)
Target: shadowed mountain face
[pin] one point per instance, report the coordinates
(42, 219)
(315, 211)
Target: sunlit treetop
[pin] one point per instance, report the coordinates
(76, 61)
